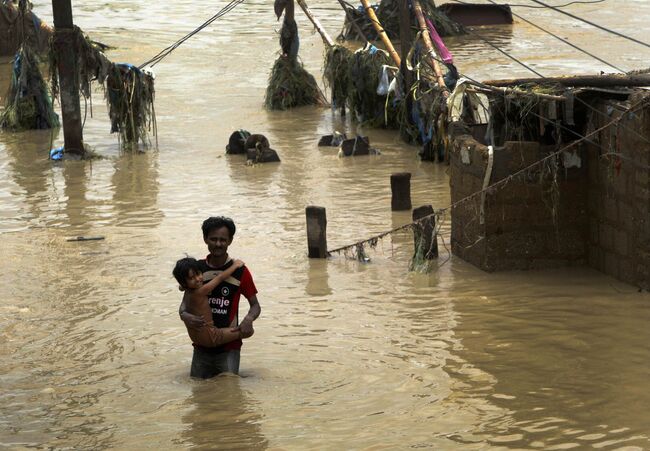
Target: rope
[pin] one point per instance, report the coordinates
(554, 8)
(504, 181)
(167, 51)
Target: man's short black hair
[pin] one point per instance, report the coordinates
(217, 222)
(183, 268)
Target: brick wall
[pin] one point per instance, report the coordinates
(619, 196)
(598, 214)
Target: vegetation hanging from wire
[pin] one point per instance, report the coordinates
(130, 95)
(129, 91)
(28, 104)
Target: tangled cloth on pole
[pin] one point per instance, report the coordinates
(29, 104)
(129, 91)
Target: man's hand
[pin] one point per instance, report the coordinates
(192, 321)
(246, 328)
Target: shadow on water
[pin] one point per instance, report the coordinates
(222, 416)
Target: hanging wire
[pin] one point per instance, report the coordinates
(642, 137)
(577, 2)
(558, 38)
(492, 187)
(167, 51)
(600, 27)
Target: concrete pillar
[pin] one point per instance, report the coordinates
(400, 186)
(425, 230)
(66, 54)
(316, 232)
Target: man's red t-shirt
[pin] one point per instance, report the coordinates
(224, 299)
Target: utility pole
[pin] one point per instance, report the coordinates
(66, 55)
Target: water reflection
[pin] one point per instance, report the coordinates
(135, 195)
(222, 416)
(30, 168)
(317, 278)
(561, 383)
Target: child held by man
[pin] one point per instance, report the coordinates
(187, 273)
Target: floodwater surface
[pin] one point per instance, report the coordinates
(346, 355)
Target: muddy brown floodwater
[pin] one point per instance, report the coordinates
(346, 355)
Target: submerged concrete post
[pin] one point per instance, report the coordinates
(316, 232)
(400, 186)
(66, 55)
(424, 232)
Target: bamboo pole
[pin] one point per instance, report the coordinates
(323, 34)
(382, 34)
(424, 30)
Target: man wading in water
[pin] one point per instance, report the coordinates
(218, 233)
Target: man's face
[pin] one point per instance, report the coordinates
(218, 241)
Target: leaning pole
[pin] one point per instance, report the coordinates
(66, 56)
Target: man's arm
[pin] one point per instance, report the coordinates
(207, 288)
(191, 321)
(246, 325)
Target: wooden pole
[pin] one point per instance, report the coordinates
(406, 41)
(66, 55)
(592, 81)
(424, 231)
(417, 9)
(382, 34)
(323, 34)
(316, 232)
(400, 186)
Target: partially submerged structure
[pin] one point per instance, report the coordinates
(556, 177)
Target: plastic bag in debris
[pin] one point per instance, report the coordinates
(386, 81)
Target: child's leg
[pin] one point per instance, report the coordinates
(222, 336)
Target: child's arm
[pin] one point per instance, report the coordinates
(212, 284)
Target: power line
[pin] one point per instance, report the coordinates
(561, 39)
(165, 52)
(554, 8)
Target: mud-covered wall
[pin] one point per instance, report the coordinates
(585, 207)
(619, 194)
(536, 221)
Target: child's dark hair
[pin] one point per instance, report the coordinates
(217, 222)
(183, 268)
